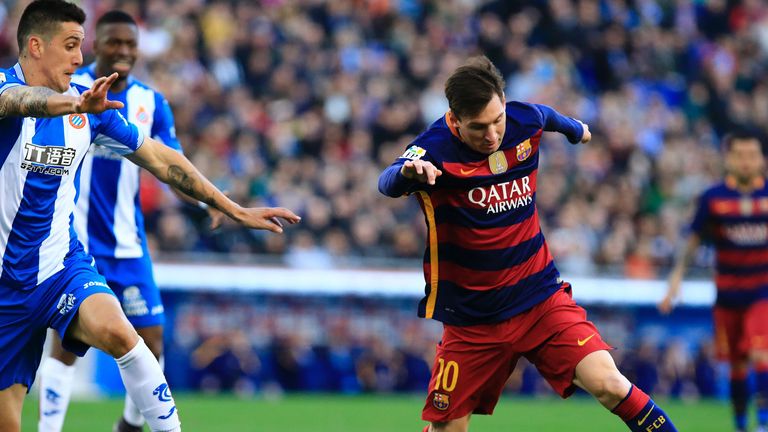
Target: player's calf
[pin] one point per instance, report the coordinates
(642, 414)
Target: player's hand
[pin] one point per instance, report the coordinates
(266, 218)
(421, 171)
(587, 136)
(94, 100)
(216, 216)
(668, 302)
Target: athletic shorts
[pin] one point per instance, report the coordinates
(25, 316)
(473, 363)
(740, 330)
(134, 285)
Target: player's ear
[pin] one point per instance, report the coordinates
(35, 46)
(452, 120)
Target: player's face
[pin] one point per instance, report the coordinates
(116, 48)
(61, 56)
(745, 160)
(483, 132)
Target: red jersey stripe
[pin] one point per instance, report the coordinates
(742, 258)
(480, 280)
(489, 238)
(484, 196)
(740, 283)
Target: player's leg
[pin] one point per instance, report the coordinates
(471, 367)
(597, 374)
(56, 377)
(756, 341)
(11, 401)
(101, 323)
(730, 346)
(576, 355)
(132, 420)
(133, 283)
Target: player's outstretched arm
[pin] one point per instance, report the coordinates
(575, 130)
(173, 168)
(27, 101)
(678, 272)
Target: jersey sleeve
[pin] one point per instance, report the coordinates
(112, 130)
(701, 217)
(556, 122)
(163, 128)
(8, 81)
(392, 183)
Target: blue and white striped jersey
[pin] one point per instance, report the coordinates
(40, 162)
(108, 218)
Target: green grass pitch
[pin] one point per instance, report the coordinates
(333, 413)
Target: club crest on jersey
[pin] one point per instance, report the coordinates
(441, 401)
(498, 162)
(77, 121)
(142, 115)
(414, 152)
(523, 150)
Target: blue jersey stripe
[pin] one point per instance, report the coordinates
(105, 176)
(490, 260)
(479, 218)
(9, 133)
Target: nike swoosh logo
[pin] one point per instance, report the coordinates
(50, 413)
(581, 342)
(642, 420)
(467, 172)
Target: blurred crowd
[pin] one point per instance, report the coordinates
(361, 345)
(301, 103)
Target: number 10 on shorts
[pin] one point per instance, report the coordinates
(447, 375)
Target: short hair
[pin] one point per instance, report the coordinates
(742, 135)
(472, 85)
(43, 17)
(115, 17)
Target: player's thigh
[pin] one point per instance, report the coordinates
(11, 401)
(101, 323)
(134, 285)
(457, 425)
(57, 349)
(756, 333)
(730, 333)
(467, 378)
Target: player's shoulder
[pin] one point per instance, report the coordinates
(435, 136)
(524, 113)
(716, 190)
(10, 76)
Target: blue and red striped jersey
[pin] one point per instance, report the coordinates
(736, 224)
(486, 259)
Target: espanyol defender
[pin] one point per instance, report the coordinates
(46, 278)
(108, 218)
(489, 274)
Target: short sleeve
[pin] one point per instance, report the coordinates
(7, 80)
(163, 128)
(112, 130)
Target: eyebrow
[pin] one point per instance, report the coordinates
(486, 124)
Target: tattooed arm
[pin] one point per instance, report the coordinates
(173, 168)
(27, 101)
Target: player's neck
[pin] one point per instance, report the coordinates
(745, 185)
(33, 76)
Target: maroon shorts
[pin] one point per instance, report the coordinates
(473, 363)
(740, 330)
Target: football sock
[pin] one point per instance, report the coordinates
(641, 414)
(131, 412)
(55, 389)
(739, 400)
(145, 384)
(761, 381)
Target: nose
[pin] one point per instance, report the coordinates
(491, 135)
(78, 60)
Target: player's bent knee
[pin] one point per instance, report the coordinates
(117, 337)
(609, 388)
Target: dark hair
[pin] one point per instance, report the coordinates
(472, 85)
(43, 17)
(115, 17)
(741, 135)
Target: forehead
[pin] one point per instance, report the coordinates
(490, 113)
(117, 31)
(69, 30)
(749, 144)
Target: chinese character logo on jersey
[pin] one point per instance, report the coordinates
(441, 401)
(523, 150)
(51, 160)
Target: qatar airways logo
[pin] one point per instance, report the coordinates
(502, 197)
(747, 234)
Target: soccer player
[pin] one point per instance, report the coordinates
(489, 274)
(46, 278)
(108, 218)
(733, 216)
